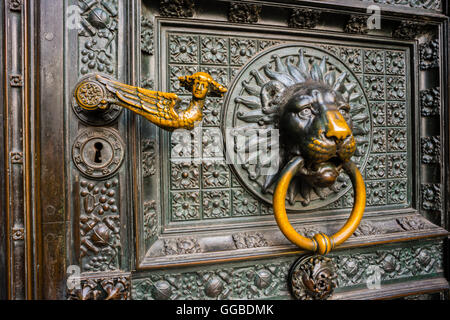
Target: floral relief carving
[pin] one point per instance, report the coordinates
(397, 191)
(185, 205)
(347, 199)
(376, 167)
(249, 240)
(212, 144)
(429, 55)
(408, 30)
(309, 231)
(352, 57)
(379, 140)
(397, 165)
(304, 18)
(214, 50)
(219, 74)
(148, 157)
(268, 280)
(176, 8)
(99, 226)
(396, 114)
(357, 24)
(389, 118)
(216, 204)
(431, 196)
(366, 229)
(184, 175)
(102, 288)
(98, 36)
(411, 223)
(244, 282)
(264, 44)
(431, 149)
(150, 219)
(183, 49)
(211, 112)
(244, 204)
(374, 61)
(244, 13)
(234, 72)
(430, 102)
(334, 50)
(378, 110)
(376, 193)
(15, 5)
(215, 174)
(147, 83)
(181, 246)
(395, 263)
(395, 88)
(313, 278)
(185, 146)
(266, 210)
(396, 139)
(420, 4)
(395, 62)
(242, 50)
(375, 87)
(146, 35)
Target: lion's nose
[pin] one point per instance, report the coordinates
(337, 126)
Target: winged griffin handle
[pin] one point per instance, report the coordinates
(161, 108)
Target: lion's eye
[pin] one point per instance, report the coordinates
(306, 112)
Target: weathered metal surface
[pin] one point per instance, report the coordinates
(355, 270)
(407, 102)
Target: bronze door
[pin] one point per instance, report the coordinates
(101, 203)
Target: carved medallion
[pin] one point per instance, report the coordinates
(98, 153)
(251, 119)
(312, 278)
(89, 95)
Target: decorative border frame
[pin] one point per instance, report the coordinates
(189, 257)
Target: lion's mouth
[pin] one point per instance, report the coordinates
(337, 162)
(323, 174)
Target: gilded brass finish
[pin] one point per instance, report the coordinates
(320, 243)
(160, 108)
(315, 127)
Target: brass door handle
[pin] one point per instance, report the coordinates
(99, 92)
(320, 243)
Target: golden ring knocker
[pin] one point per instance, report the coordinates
(320, 243)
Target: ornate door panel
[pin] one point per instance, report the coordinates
(126, 210)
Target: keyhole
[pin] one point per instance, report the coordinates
(98, 152)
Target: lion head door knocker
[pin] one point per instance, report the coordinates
(101, 95)
(314, 101)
